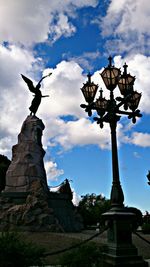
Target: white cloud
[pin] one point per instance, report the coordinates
(140, 139)
(132, 13)
(52, 171)
(61, 27)
(86, 60)
(76, 197)
(24, 22)
(82, 3)
(14, 97)
(128, 22)
(63, 87)
(75, 133)
(30, 22)
(6, 144)
(82, 132)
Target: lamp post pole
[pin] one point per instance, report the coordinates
(121, 252)
(117, 197)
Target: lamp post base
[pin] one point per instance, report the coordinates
(126, 261)
(120, 251)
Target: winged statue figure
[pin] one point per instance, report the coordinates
(37, 93)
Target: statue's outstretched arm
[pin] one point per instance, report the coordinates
(43, 78)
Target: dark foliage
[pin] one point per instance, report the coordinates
(14, 252)
(89, 255)
(4, 164)
(91, 208)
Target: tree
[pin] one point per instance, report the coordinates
(91, 208)
(138, 221)
(4, 164)
(146, 223)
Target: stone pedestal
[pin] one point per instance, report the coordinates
(121, 252)
(27, 158)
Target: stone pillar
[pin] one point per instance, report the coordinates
(27, 158)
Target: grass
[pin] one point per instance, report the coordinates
(56, 241)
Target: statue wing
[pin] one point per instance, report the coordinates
(29, 83)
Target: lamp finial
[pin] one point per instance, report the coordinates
(125, 66)
(110, 61)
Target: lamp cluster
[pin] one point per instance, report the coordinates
(110, 109)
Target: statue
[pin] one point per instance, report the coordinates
(36, 90)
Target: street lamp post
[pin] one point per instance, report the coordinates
(121, 252)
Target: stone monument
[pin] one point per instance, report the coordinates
(26, 203)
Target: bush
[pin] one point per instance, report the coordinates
(14, 252)
(89, 255)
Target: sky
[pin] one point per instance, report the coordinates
(71, 38)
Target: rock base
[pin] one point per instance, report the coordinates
(38, 212)
(27, 212)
